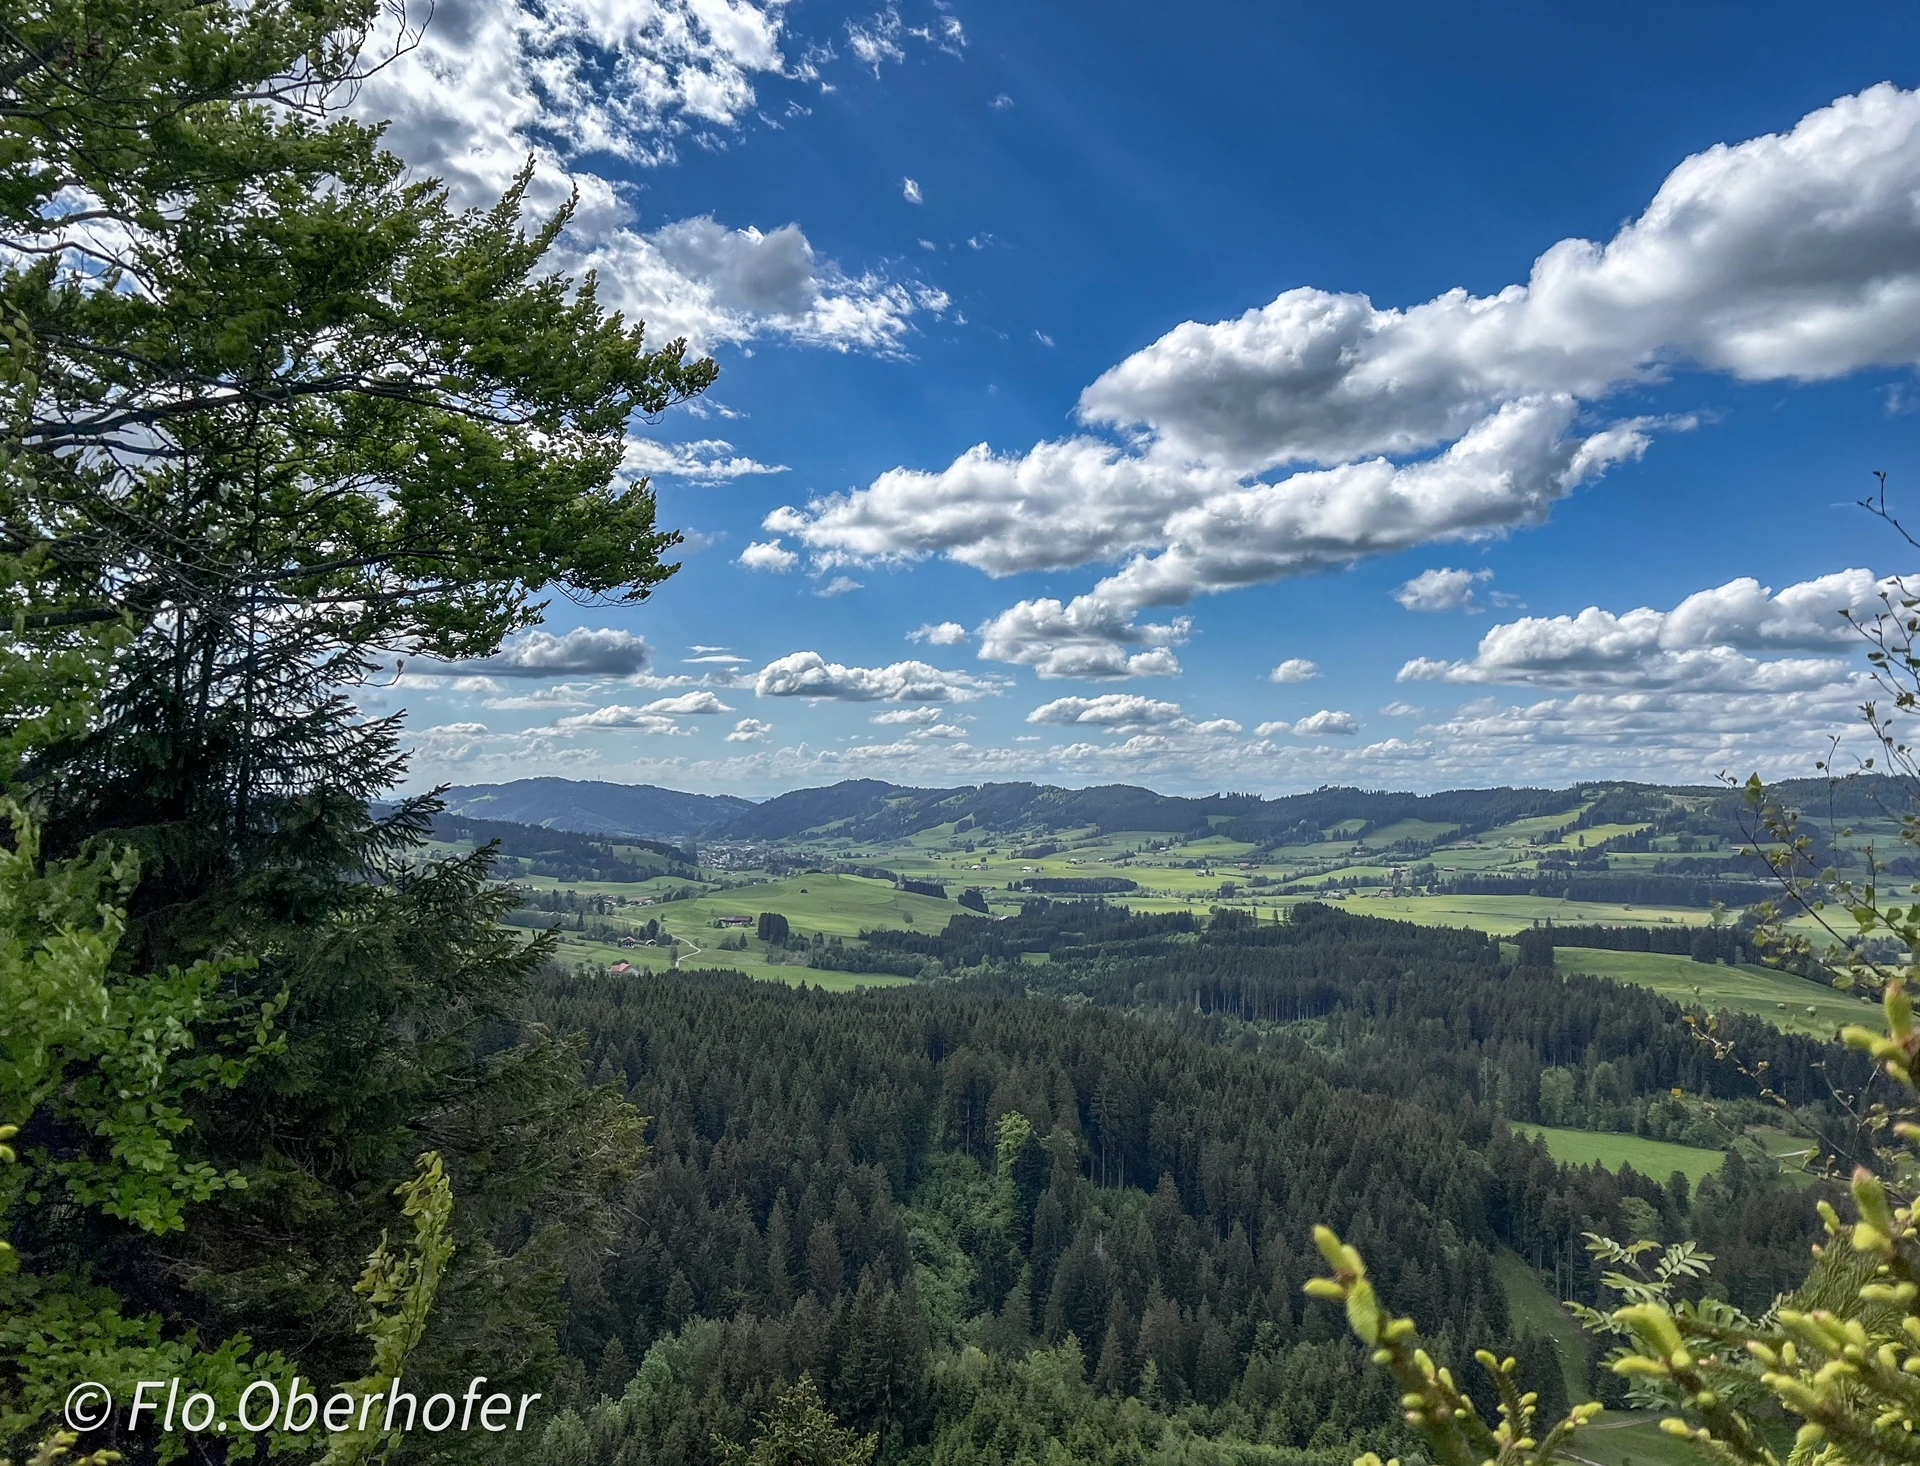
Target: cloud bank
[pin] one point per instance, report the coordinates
(581, 652)
(581, 87)
(1789, 257)
(1704, 644)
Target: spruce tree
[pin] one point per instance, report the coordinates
(278, 415)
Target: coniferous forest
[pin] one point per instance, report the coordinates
(988, 1213)
(291, 1096)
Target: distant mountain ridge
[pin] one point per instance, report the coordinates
(869, 809)
(872, 809)
(638, 811)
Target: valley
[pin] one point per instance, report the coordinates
(846, 861)
(1004, 1114)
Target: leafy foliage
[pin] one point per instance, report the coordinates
(798, 1431)
(1840, 1353)
(274, 415)
(401, 1288)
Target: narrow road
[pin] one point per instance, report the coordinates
(694, 953)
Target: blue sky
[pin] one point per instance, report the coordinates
(1084, 365)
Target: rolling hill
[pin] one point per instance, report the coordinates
(868, 810)
(642, 811)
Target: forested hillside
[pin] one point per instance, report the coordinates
(639, 811)
(928, 1198)
(872, 809)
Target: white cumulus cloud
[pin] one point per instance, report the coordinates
(1064, 504)
(490, 82)
(715, 286)
(749, 730)
(1654, 733)
(1115, 711)
(1187, 529)
(687, 703)
(769, 555)
(1509, 469)
(1791, 256)
(1294, 669)
(1088, 637)
(943, 633)
(570, 83)
(1704, 644)
(808, 674)
(1441, 590)
(618, 717)
(1327, 720)
(705, 461)
(541, 699)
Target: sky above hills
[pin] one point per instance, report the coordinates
(1220, 397)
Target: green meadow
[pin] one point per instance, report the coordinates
(1656, 1158)
(1504, 915)
(1788, 1002)
(1617, 1437)
(755, 962)
(1534, 1307)
(1196, 872)
(833, 905)
(1632, 1438)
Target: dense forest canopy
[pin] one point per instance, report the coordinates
(1121, 1154)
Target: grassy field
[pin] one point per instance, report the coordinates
(1618, 1437)
(753, 962)
(812, 977)
(1504, 915)
(1427, 830)
(1632, 1438)
(1593, 835)
(1540, 829)
(1175, 872)
(1655, 1158)
(1534, 1307)
(1788, 1002)
(1186, 873)
(1788, 1147)
(832, 905)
